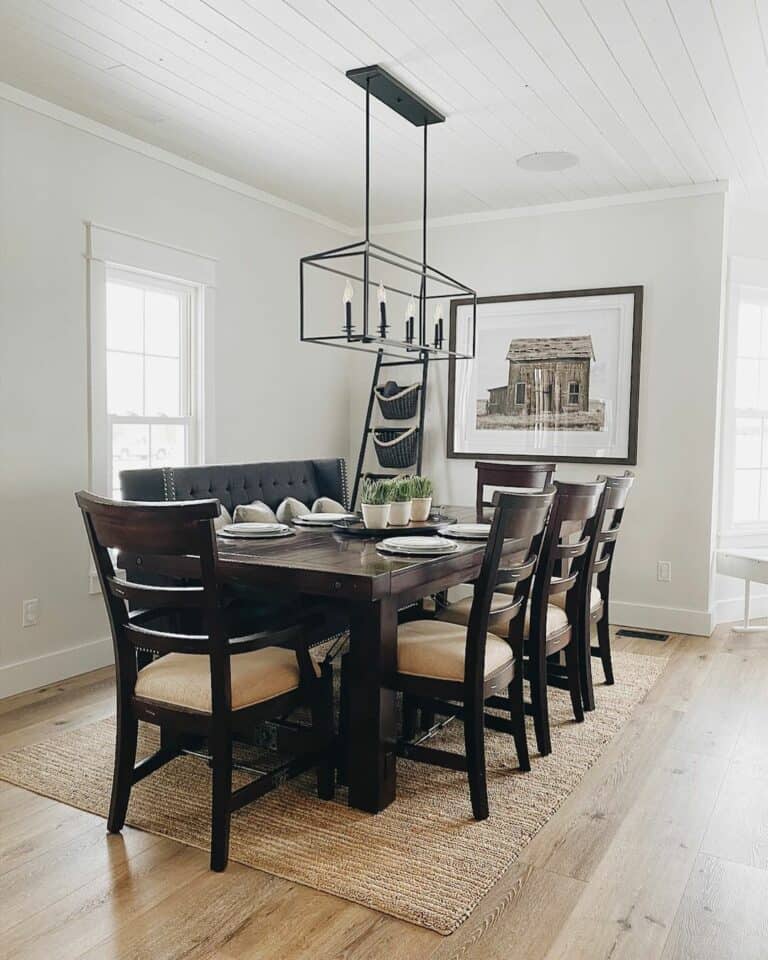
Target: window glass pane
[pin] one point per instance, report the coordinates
(746, 496)
(763, 495)
(162, 387)
(750, 324)
(130, 448)
(746, 383)
(168, 445)
(747, 452)
(125, 308)
(125, 384)
(163, 314)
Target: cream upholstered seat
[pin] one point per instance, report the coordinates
(429, 648)
(499, 619)
(184, 679)
(594, 599)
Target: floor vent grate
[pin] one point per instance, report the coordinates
(643, 634)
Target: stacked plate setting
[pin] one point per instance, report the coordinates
(255, 531)
(322, 519)
(467, 531)
(417, 546)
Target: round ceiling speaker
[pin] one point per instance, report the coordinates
(548, 161)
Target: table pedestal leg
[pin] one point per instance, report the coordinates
(371, 730)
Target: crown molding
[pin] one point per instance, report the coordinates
(111, 134)
(52, 110)
(565, 206)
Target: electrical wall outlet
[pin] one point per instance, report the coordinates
(30, 613)
(664, 571)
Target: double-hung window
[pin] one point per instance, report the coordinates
(151, 308)
(151, 380)
(744, 473)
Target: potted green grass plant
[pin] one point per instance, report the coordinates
(400, 508)
(421, 498)
(375, 500)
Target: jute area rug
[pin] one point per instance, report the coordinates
(424, 859)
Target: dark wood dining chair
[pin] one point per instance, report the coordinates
(455, 670)
(616, 493)
(204, 682)
(552, 625)
(533, 476)
(594, 588)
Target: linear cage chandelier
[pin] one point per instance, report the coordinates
(410, 294)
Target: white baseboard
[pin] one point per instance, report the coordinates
(52, 667)
(671, 619)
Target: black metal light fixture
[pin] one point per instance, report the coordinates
(386, 271)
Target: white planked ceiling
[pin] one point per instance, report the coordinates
(648, 93)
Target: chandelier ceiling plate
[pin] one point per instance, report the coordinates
(395, 95)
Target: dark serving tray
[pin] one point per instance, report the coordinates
(356, 528)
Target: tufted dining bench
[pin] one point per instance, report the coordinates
(240, 483)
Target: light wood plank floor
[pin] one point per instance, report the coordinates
(661, 852)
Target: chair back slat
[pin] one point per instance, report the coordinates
(565, 551)
(561, 584)
(146, 596)
(618, 490)
(157, 529)
(526, 476)
(519, 571)
(162, 641)
(518, 526)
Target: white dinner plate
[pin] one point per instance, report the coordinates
(417, 546)
(255, 531)
(467, 531)
(322, 519)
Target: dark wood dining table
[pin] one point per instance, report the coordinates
(372, 588)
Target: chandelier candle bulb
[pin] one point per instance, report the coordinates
(382, 295)
(438, 326)
(347, 301)
(410, 314)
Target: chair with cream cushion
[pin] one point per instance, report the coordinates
(206, 683)
(455, 670)
(552, 622)
(599, 579)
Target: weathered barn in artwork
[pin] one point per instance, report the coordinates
(547, 375)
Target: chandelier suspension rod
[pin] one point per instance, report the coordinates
(423, 289)
(367, 201)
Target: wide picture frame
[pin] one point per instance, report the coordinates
(556, 376)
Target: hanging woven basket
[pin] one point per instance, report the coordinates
(398, 403)
(396, 448)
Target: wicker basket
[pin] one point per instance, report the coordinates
(398, 403)
(396, 448)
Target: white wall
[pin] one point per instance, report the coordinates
(53, 178)
(674, 248)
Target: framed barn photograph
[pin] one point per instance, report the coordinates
(556, 376)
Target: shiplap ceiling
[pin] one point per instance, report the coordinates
(648, 93)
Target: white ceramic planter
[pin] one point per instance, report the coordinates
(420, 508)
(375, 515)
(399, 513)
